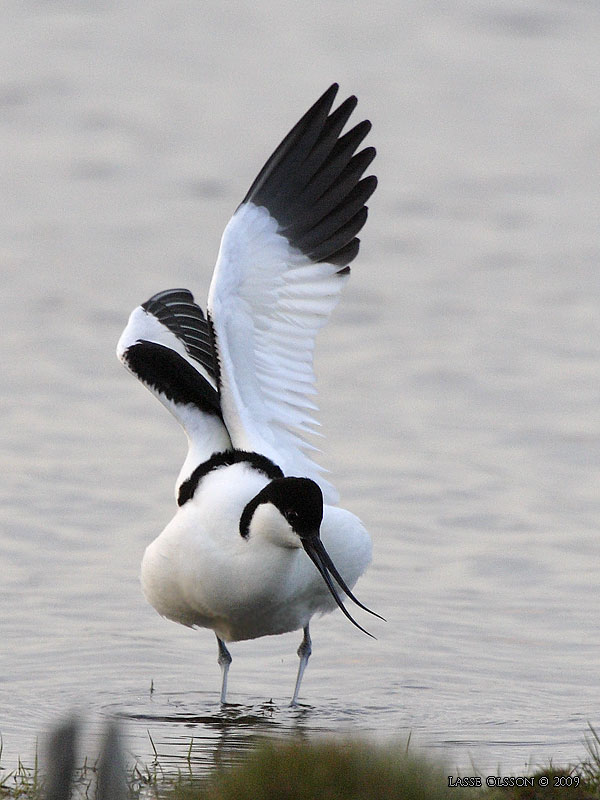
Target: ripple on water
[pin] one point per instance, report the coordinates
(193, 729)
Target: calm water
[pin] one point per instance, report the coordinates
(459, 380)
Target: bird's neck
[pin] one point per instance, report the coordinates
(205, 438)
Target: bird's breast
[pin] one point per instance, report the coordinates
(201, 572)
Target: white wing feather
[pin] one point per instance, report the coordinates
(161, 361)
(281, 267)
(267, 301)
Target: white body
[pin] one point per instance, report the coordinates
(201, 572)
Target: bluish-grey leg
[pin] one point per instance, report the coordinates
(224, 661)
(304, 652)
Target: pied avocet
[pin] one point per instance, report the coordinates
(258, 544)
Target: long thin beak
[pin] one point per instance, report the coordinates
(320, 558)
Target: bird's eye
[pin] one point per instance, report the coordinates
(292, 516)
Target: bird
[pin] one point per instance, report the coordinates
(259, 544)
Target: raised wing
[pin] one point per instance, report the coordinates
(282, 264)
(167, 346)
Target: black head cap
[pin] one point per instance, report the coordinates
(299, 500)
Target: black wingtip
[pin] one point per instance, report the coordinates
(309, 184)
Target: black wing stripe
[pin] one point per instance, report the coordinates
(176, 309)
(165, 371)
(312, 183)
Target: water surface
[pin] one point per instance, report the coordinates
(458, 379)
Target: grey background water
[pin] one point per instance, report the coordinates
(459, 380)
